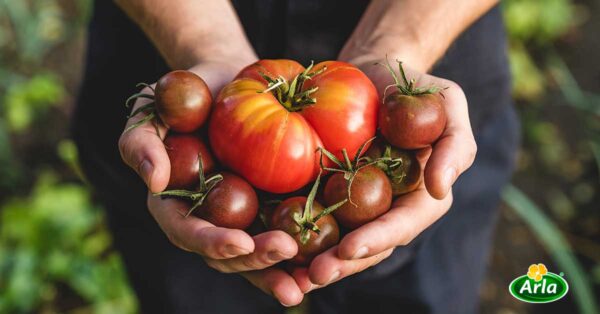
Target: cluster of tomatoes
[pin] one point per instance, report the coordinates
(276, 128)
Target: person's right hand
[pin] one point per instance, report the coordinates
(226, 250)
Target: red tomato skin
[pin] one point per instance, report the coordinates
(412, 122)
(183, 101)
(276, 150)
(183, 150)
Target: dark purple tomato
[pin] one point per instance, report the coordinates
(283, 219)
(370, 196)
(183, 151)
(412, 122)
(231, 203)
(183, 101)
(404, 171)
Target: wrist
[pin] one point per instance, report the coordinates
(220, 70)
(413, 55)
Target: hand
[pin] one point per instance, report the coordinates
(451, 155)
(226, 250)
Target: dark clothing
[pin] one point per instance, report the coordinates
(438, 273)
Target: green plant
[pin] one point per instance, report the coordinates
(52, 242)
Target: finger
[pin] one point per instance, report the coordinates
(143, 150)
(410, 215)
(278, 283)
(300, 274)
(328, 268)
(270, 248)
(455, 150)
(197, 235)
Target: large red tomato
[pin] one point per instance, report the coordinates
(271, 138)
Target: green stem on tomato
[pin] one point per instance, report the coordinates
(408, 87)
(292, 94)
(197, 197)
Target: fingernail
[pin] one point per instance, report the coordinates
(334, 277)
(276, 256)
(360, 253)
(146, 169)
(234, 250)
(312, 287)
(449, 177)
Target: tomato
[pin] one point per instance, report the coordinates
(311, 225)
(225, 200)
(183, 151)
(401, 166)
(283, 219)
(412, 117)
(231, 203)
(270, 138)
(182, 102)
(370, 196)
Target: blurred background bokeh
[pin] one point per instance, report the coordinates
(55, 251)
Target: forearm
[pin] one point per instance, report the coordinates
(416, 31)
(190, 32)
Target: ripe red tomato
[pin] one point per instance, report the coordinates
(412, 117)
(182, 102)
(183, 151)
(270, 138)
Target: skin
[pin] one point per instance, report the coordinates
(283, 219)
(255, 125)
(412, 122)
(183, 101)
(183, 151)
(371, 193)
(210, 41)
(231, 203)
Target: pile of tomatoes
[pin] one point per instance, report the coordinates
(279, 127)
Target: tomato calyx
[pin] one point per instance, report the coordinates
(291, 94)
(197, 197)
(349, 168)
(305, 220)
(407, 87)
(149, 109)
(389, 165)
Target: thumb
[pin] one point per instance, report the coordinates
(142, 149)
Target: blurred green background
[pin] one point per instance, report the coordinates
(55, 251)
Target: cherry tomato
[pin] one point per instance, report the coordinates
(183, 151)
(412, 117)
(370, 196)
(182, 102)
(283, 218)
(231, 203)
(401, 166)
(267, 124)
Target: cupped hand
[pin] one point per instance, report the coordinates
(226, 250)
(411, 214)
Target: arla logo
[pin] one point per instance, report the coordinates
(538, 286)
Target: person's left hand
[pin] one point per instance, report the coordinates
(412, 213)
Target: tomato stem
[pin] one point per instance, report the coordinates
(149, 109)
(291, 94)
(407, 87)
(349, 168)
(198, 196)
